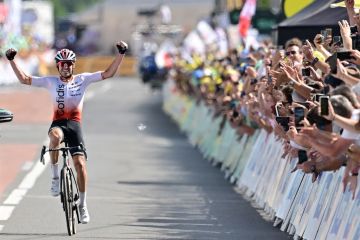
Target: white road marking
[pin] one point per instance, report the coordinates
(29, 180)
(5, 212)
(27, 166)
(15, 196)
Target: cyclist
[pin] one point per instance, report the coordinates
(67, 93)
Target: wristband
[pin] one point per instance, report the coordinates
(314, 61)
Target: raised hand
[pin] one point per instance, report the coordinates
(349, 4)
(10, 54)
(122, 47)
(356, 57)
(308, 51)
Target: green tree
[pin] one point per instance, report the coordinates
(63, 8)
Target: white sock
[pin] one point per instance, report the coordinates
(55, 170)
(82, 199)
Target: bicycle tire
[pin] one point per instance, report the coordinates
(67, 201)
(72, 182)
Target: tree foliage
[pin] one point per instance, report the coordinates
(63, 8)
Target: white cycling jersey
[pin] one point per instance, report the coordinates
(67, 98)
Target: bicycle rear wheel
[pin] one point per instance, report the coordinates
(68, 201)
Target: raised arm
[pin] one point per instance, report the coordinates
(111, 70)
(23, 77)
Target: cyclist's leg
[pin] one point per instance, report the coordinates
(80, 166)
(56, 135)
(75, 139)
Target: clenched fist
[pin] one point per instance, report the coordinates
(10, 54)
(122, 47)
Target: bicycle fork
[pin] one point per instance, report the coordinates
(74, 201)
(76, 196)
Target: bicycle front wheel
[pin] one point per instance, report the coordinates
(68, 201)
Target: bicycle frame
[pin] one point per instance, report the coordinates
(69, 195)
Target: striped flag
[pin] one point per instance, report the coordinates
(245, 17)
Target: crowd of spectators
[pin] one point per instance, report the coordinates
(307, 93)
(34, 54)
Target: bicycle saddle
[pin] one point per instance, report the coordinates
(5, 115)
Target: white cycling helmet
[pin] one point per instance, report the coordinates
(65, 55)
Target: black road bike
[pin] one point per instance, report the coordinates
(69, 190)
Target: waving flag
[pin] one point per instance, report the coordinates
(245, 17)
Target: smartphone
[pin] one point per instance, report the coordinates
(332, 81)
(326, 89)
(353, 29)
(299, 113)
(305, 72)
(332, 60)
(336, 39)
(328, 32)
(344, 55)
(277, 112)
(283, 122)
(302, 156)
(305, 104)
(324, 105)
(355, 41)
(253, 81)
(317, 97)
(324, 33)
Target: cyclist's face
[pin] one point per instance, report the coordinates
(66, 69)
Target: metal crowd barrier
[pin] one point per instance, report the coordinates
(307, 210)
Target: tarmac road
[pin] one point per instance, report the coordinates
(145, 179)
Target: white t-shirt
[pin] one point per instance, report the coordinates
(348, 134)
(67, 98)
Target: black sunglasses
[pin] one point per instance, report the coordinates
(290, 52)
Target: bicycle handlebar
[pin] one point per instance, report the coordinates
(63, 149)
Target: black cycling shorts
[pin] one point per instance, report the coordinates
(72, 134)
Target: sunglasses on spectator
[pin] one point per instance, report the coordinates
(68, 63)
(290, 52)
